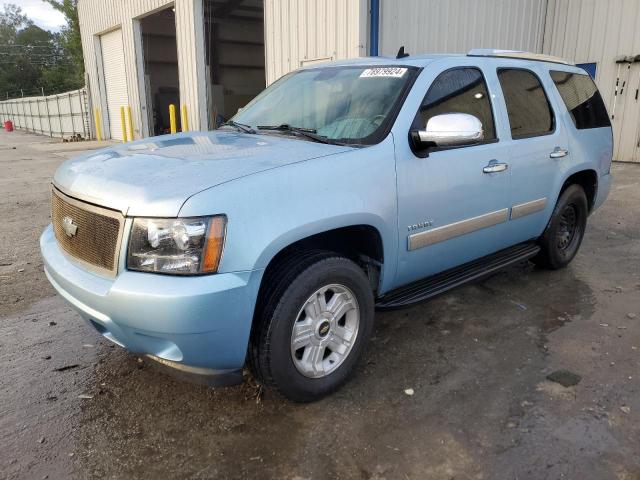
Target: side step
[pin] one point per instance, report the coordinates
(441, 282)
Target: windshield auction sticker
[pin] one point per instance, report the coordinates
(383, 72)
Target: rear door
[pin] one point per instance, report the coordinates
(538, 146)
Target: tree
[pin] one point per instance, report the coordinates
(70, 39)
(11, 20)
(13, 17)
(33, 59)
(13, 66)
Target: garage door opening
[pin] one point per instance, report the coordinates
(234, 46)
(160, 69)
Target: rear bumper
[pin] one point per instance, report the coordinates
(604, 187)
(196, 326)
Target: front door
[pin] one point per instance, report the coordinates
(452, 208)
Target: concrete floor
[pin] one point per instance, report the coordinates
(476, 359)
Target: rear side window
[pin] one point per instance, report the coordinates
(528, 107)
(460, 90)
(582, 99)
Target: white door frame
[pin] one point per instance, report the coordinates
(143, 111)
(102, 89)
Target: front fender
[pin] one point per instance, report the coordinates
(331, 223)
(270, 210)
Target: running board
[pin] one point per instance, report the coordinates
(441, 282)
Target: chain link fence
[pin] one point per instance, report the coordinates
(65, 115)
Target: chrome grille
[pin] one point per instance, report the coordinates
(88, 233)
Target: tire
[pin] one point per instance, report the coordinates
(274, 359)
(562, 238)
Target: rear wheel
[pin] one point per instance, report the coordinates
(312, 325)
(564, 233)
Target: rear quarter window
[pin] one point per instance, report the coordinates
(582, 99)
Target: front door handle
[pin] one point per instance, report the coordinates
(495, 168)
(559, 153)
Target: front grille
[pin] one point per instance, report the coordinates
(88, 233)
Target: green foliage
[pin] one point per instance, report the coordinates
(33, 59)
(11, 21)
(70, 35)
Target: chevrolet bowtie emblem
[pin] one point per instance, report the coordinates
(69, 227)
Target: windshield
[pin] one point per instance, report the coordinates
(341, 104)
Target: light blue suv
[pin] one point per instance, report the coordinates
(342, 188)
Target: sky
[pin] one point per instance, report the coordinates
(42, 14)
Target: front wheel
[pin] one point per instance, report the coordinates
(564, 233)
(312, 326)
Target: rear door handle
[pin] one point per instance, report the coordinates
(495, 168)
(559, 153)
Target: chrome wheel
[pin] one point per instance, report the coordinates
(325, 331)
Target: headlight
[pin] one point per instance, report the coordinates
(183, 246)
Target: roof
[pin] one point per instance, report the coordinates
(517, 54)
(412, 60)
(423, 60)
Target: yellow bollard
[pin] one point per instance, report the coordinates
(172, 118)
(130, 118)
(123, 124)
(184, 119)
(96, 119)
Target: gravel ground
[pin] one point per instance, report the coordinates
(477, 360)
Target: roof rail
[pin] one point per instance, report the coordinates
(539, 57)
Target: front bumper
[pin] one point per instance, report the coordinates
(198, 326)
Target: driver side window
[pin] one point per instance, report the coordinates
(459, 90)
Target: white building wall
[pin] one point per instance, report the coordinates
(100, 16)
(588, 31)
(298, 32)
(191, 62)
(302, 31)
(457, 26)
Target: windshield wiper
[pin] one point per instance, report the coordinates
(240, 126)
(309, 133)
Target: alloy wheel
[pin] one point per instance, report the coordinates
(325, 331)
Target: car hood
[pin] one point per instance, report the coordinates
(155, 176)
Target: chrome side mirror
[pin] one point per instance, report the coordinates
(450, 129)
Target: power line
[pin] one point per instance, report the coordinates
(11, 45)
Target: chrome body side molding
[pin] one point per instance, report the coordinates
(528, 208)
(440, 234)
(446, 232)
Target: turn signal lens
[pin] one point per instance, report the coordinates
(214, 244)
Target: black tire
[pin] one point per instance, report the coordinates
(286, 291)
(562, 238)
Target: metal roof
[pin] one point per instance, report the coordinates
(422, 60)
(490, 52)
